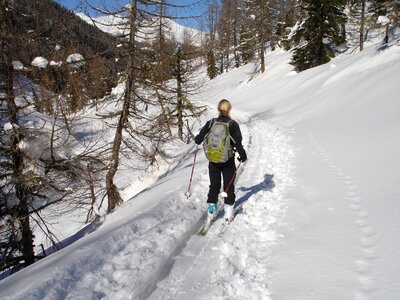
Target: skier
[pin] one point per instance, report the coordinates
(221, 163)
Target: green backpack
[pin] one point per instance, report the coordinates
(217, 143)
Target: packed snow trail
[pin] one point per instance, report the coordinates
(236, 265)
(129, 251)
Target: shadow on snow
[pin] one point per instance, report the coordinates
(266, 185)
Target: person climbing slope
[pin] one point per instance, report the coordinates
(221, 137)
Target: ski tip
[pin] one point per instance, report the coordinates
(202, 231)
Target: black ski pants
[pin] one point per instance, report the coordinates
(227, 170)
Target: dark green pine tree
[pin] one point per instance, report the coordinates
(246, 46)
(319, 33)
(389, 8)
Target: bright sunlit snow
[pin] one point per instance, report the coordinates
(319, 198)
(40, 62)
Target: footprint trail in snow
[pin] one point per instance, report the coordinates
(236, 265)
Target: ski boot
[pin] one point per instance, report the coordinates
(212, 212)
(229, 215)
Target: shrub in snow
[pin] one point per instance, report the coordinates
(40, 62)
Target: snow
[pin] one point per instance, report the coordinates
(119, 90)
(383, 20)
(117, 26)
(74, 58)
(18, 66)
(8, 127)
(55, 63)
(319, 194)
(40, 62)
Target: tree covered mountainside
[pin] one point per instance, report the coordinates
(42, 26)
(46, 29)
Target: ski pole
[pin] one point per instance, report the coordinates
(224, 193)
(188, 194)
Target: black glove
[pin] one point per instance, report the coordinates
(242, 158)
(197, 140)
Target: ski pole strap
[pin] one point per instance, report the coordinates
(233, 177)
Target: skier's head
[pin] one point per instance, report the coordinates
(224, 107)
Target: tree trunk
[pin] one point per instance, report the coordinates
(262, 57)
(114, 198)
(235, 44)
(179, 94)
(22, 211)
(362, 25)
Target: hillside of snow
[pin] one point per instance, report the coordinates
(116, 26)
(318, 200)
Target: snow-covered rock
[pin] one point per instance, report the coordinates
(75, 58)
(56, 63)
(18, 66)
(40, 62)
(8, 127)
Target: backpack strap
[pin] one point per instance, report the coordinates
(211, 123)
(229, 125)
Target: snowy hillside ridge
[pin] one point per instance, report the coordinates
(116, 26)
(319, 194)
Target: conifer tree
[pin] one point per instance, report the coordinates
(357, 15)
(228, 32)
(319, 33)
(183, 71)
(246, 47)
(261, 20)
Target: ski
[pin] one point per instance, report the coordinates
(204, 229)
(226, 223)
(224, 228)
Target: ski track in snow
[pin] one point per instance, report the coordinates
(236, 265)
(367, 252)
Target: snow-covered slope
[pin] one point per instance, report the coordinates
(320, 214)
(116, 25)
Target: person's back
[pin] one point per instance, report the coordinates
(226, 166)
